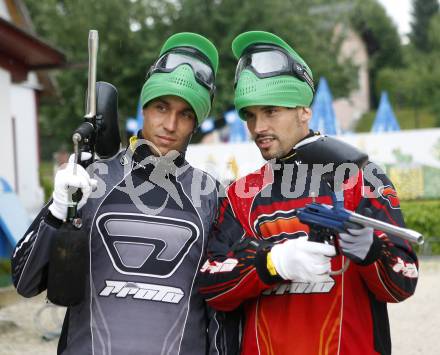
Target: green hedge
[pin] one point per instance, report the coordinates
(5, 272)
(408, 119)
(424, 217)
(46, 178)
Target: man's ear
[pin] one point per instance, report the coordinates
(305, 114)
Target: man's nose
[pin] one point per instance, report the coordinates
(170, 122)
(261, 124)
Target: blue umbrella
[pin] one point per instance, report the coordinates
(131, 126)
(134, 124)
(207, 125)
(139, 116)
(14, 219)
(237, 128)
(385, 120)
(324, 119)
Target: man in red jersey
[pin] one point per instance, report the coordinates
(260, 255)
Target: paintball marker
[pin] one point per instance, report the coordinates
(99, 133)
(327, 220)
(339, 219)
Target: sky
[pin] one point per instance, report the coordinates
(400, 13)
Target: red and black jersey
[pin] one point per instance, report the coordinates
(346, 314)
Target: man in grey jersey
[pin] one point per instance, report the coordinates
(148, 221)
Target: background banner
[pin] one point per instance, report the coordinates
(410, 158)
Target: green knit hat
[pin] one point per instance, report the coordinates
(282, 90)
(181, 82)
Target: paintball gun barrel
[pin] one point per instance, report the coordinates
(339, 219)
(85, 132)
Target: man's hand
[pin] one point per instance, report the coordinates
(302, 260)
(65, 179)
(356, 243)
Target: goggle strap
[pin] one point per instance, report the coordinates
(309, 80)
(303, 73)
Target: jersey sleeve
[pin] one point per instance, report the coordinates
(391, 268)
(30, 257)
(235, 269)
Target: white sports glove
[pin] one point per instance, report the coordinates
(64, 179)
(356, 243)
(302, 260)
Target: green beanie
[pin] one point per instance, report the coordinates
(282, 90)
(181, 81)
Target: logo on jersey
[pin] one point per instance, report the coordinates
(298, 287)
(146, 245)
(280, 224)
(163, 168)
(142, 291)
(407, 269)
(388, 193)
(216, 266)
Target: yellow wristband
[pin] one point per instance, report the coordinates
(133, 140)
(270, 266)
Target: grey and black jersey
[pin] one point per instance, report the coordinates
(148, 224)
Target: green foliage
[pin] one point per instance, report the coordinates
(123, 58)
(5, 266)
(370, 19)
(407, 118)
(5, 272)
(422, 216)
(423, 11)
(221, 21)
(365, 122)
(417, 84)
(46, 178)
(132, 32)
(380, 34)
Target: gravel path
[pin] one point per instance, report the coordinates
(18, 332)
(415, 323)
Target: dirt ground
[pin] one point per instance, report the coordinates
(415, 323)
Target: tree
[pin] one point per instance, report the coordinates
(417, 84)
(222, 20)
(423, 11)
(132, 31)
(371, 21)
(127, 45)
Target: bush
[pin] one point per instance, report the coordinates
(5, 272)
(46, 178)
(423, 216)
(407, 118)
